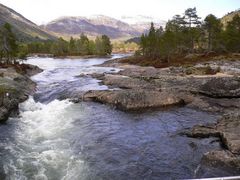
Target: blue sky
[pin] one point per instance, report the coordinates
(42, 11)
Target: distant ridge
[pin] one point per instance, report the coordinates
(92, 26)
(98, 25)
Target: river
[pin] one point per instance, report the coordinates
(56, 139)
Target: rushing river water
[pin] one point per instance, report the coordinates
(58, 140)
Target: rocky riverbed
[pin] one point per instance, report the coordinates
(212, 86)
(15, 87)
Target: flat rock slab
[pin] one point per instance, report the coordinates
(134, 99)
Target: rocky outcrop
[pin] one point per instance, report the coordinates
(15, 87)
(228, 87)
(134, 99)
(215, 91)
(192, 90)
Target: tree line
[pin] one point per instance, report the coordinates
(11, 50)
(188, 34)
(74, 47)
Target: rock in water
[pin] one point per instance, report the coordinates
(134, 99)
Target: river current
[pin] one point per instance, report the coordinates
(55, 139)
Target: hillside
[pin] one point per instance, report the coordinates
(227, 18)
(24, 28)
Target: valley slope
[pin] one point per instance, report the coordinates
(24, 29)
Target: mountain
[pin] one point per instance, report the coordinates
(92, 26)
(227, 18)
(125, 28)
(142, 23)
(22, 27)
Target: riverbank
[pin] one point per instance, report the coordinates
(15, 87)
(212, 86)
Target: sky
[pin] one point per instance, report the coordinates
(43, 11)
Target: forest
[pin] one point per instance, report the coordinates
(11, 49)
(74, 47)
(187, 34)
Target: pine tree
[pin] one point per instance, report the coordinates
(213, 27)
(191, 18)
(83, 44)
(193, 21)
(72, 46)
(143, 44)
(1, 45)
(232, 35)
(106, 43)
(9, 47)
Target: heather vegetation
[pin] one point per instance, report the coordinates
(188, 34)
